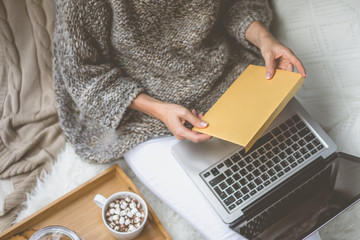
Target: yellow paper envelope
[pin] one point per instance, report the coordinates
(247, 108)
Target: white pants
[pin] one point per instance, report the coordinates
(154, 165)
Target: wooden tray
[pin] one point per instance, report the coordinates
(78, 212)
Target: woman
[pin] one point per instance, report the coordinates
(128, 70)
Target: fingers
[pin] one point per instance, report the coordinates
(297, 63)
(270, 64)
(192, 118)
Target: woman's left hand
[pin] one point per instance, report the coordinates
(275, 54)
(278, 56)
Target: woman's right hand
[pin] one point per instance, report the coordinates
(174, 116)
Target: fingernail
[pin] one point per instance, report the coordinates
(203, 124)
(268, 75)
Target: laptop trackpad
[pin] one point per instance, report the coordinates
(199, 156)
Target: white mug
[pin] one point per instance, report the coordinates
(102, 202)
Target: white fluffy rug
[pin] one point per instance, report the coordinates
(68, 173)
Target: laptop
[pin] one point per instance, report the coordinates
(263, 192)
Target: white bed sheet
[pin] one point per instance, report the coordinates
(154, 165)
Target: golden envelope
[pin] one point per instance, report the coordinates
(251, 103)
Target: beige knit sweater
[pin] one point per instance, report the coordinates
(108, 52)
(30, 133)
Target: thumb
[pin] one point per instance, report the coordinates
(195, 121)
(270, 65)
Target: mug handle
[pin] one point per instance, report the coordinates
(100, 200)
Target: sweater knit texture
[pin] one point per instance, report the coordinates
(108, 52)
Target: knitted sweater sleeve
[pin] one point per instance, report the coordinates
(241, 13)
(82, 60)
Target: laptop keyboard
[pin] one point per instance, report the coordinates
(241, 178)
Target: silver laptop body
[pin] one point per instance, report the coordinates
(209, 162)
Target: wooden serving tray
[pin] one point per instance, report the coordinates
(78, 212)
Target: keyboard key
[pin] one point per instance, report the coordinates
(267, 183)
(229, 190)
(235, 168)
(257, 163)
(303, 151)
(297, 155)
(282, 155)
(273, 178)
(229, 200)
(293, 165)
(276, 131)
(258, 181)
(274, 142)
(309, 146)
(232, 206)
(242, 153)
(278, 168)
(236, 176)
(316, 142)
(283, 127)
(236, 186)
(238, 195)
(243, 181)
(251, 186)
(256, 172)
(295, 147)
(282, 146)
(206, 174)
(269, 155)
(284, 163)
(280, 138)
(300, 160)
(254, 155)
(275, 150)
(300, 125)
(217, 180)
(313, 151)
(235, 158)
(223, 195)
(230, 181)
(271, 172)
(217, 190)
(287, 134)
(269, 164)
(238, 202)
(252, 192)
(268, 146)
(243, 172)
(320, 147)
(223, 185)
(228, 172)
(289, 142)
(291, 159)
(246, 197)
(289, 122)
(302, 142)
(295, 137)
(263, 159)
(248, 159)
(261, 151)
(276, 159)
(304, 132)
(259, 187)
(280, 174)
(309, 137)
(265, 176)
(214, 171)
(250, 167)
(242, 164)
(296, 118)
(220, 165)
(293, 130)
(228, 163)
(307, 155)
(287, 169)
(249, 177)
(289, 151)
(263, 168)
(244, 190)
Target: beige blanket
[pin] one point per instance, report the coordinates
(30, 134)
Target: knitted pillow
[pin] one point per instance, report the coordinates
(325, 35)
